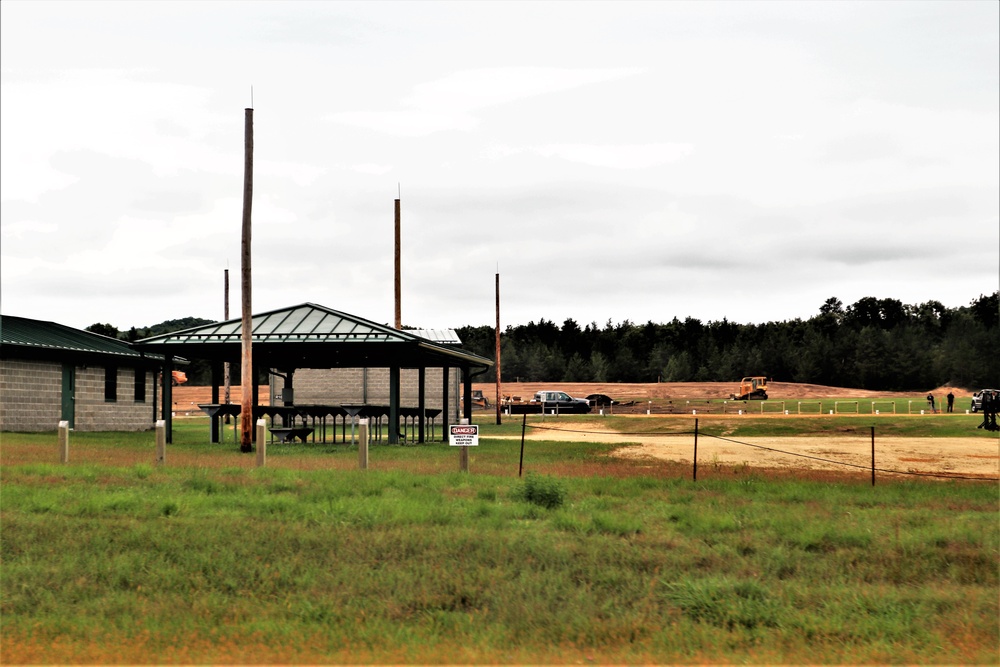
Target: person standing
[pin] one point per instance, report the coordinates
(951, 401)
(930, 402)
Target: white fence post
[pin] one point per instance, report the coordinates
(64, 442)
(363, 444)
(261, 443)
(161, 442)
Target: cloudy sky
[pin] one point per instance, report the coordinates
(615, 161)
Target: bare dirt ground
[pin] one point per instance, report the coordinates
(974, 456)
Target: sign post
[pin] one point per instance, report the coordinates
(463, 436)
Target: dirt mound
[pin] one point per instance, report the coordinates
(622, 391)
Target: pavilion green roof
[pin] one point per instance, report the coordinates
(324, 335)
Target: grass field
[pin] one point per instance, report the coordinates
(587, 559)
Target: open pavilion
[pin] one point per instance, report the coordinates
(315, 337)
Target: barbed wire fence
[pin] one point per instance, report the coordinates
(696, 434)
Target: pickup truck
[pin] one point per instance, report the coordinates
(550, 401)
(977, 399)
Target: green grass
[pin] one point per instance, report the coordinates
(587, 559)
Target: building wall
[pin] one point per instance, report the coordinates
(94, 413)
(31, 398)
(30, 395)
(339, 386)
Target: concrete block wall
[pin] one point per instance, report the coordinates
(30, 395)
(337, 386)
(31, 398)
(94, 413)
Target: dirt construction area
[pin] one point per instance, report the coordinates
(972, 457)
(849, 451)
(976, 456)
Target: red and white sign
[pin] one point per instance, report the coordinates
(463, 435)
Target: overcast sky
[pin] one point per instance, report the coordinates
(616, 161)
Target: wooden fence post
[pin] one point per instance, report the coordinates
(463, 453)
(64, 442)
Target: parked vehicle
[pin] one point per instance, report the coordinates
(751, 389)
(977, 399)
(479, 400)
(178, 377)
(549, 401)
(601, 400)
(560, 401)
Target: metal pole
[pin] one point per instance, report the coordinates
(225, 365)
(498, 349)
(520, 466)
(695, 450)
(873, 456)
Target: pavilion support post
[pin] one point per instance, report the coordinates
(247, 382)
(394, 405)
(421, 402)
(445, 402)
(168, 396)
(288, 391)
(216, 419)
(467, 393)
(225, 365)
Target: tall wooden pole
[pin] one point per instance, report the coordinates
(246, 369)
(497, 365)
(398, 281)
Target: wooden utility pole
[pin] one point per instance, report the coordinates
(246, 369)
(497, 364)
(399, 288)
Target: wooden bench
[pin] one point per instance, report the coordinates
(286, 434)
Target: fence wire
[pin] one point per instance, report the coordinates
(770, 449)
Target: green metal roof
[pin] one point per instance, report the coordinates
(307, 323)
(25, 334)
(324, 335)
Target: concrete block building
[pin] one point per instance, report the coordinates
(51, 373)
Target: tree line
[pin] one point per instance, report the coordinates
(878, 344)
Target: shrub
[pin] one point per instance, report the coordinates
(543, 491)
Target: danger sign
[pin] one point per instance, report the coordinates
(463, 435)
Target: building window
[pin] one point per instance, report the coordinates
(140, 385)
(110, 384)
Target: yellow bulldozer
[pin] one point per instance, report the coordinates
(751, 389)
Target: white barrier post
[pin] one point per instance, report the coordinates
(262, 443)
(161, 442)
(64, 442)
(363, 444)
